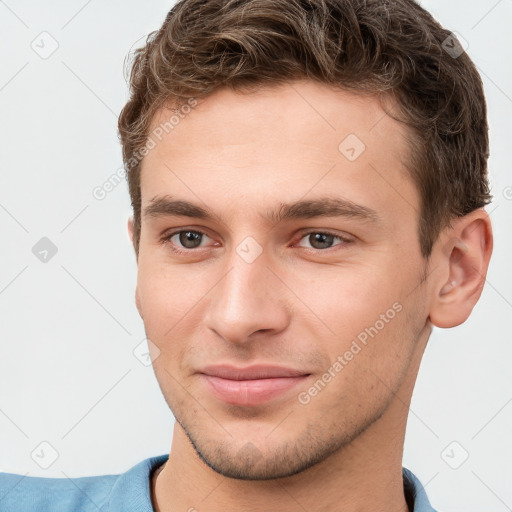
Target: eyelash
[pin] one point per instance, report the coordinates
(167, 240)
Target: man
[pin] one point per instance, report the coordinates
(308, 182)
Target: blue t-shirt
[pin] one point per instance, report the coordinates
(126, 492)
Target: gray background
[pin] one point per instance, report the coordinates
(69, 327)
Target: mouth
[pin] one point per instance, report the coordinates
(250, 386)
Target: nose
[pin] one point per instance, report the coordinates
(249, 299)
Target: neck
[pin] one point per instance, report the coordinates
(365, 475)
(338, 483)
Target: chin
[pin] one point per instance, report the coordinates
(277, 459)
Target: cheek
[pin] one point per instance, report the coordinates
(366, 367)
(168, 295)
(350, 299)
(373, 321)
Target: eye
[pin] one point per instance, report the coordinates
(322, 240)
(185, 240)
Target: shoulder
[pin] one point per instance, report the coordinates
(415, 493)
(30, 493)
(105, 493)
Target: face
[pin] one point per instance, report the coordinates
(279, 273)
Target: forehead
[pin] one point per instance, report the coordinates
(290, 107)
(292, 140)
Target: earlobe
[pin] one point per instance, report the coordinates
(463, 256)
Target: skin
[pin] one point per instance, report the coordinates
(298, 304)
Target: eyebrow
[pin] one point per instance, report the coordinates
(305, 209)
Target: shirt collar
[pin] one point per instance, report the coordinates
(132, 490)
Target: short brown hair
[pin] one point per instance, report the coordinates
(393, 47)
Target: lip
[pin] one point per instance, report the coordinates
(250, 386)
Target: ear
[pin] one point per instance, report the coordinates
(463, 254)
(130, 229)
(130, 234)
(137, 295)
(138, 302)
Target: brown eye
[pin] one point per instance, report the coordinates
(189, 239)
(320, 240)
(185, 240)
